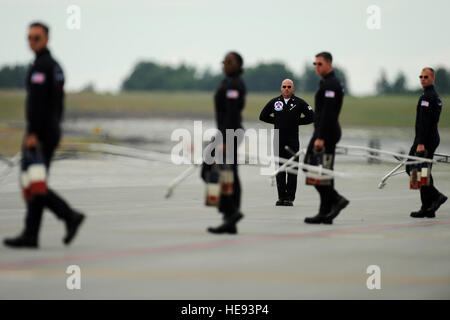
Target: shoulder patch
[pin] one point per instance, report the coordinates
(329, 94)
(232, 94)
(38, 77)
(59, 74)
(424, 103)
(309, 108)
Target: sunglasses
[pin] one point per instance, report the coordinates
(317, 64)
(284, 87)
(34, 38)
(424, 77)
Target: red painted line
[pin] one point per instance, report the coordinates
(194, 246)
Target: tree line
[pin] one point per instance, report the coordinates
(399, 84)
(13, 76)
(260, 78)
(264, 77)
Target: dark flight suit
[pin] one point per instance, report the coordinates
(286, 117)
(44, 112)
(328, 104)
(428, 111)
(229, 102)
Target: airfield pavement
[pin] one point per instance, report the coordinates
(135, 244)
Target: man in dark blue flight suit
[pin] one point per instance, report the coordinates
(327, 133)
(229, 102)
(285, 112)
(427, 140)
(44, 111)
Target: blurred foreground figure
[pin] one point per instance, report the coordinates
(44, 111)
(229, 102)
(327, 133)
(425, 143)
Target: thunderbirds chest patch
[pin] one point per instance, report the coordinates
(278, 106)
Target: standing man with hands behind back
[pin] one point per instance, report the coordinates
(44, 111)
(285, 112)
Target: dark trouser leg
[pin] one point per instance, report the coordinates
(423, 200)
(35, 209)
(324, 207)
(58, 206)
(287, 182)
(51, 200)
(291, 186)
(281, 185)
(281, 176)
(230, 204)
(428, 194)
(237, 190)
(326, 203)
(328, 196)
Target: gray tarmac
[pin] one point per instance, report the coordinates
(135, 244)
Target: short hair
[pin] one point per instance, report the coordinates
(431, 70)
(326, 55)
(287, 80)
(40, 24)
(239, 60)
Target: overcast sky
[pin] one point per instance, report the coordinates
(114, 35)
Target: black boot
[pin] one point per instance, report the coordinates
(284, 203)
(21, 241)
(223, 228)
(422, 213)
(318, 218)
(72, 226)
(435, 205)
(229, 224)
(336, 208)
(288, 203)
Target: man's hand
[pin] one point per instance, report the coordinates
(420, 148)
(318, 144)
(31, 141)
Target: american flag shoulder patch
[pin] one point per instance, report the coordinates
(38, 77)
(232, 94)
(424, 103)
(329, 94)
